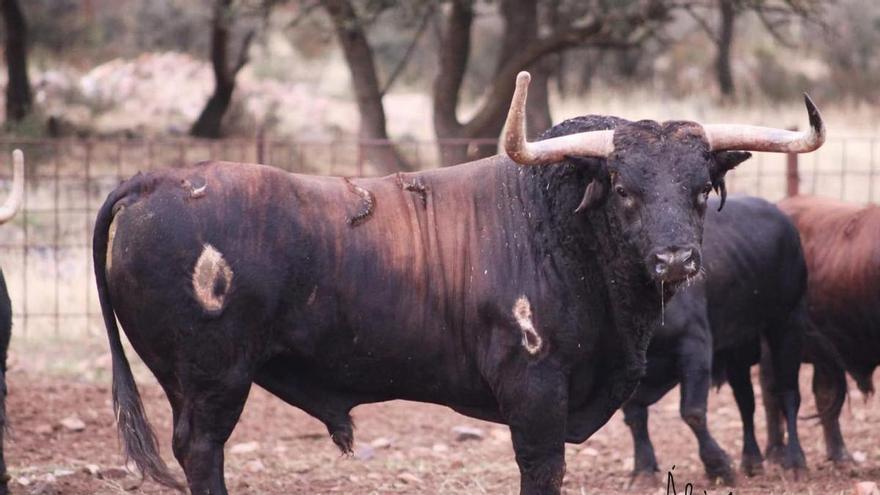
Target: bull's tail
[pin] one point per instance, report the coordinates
(138, 439)
(824, 355)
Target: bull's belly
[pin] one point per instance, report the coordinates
(358, 379)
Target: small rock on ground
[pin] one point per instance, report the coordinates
(409, 478)
(73, 423)
(867, 488)
(381, 443)
(463, 433)
(244, 448)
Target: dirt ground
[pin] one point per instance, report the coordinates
(402, 447)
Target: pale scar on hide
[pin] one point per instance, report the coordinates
(522, 313)
(211, 279)
(194, 192)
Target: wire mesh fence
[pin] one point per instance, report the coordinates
(45, 252)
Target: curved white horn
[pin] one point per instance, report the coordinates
(13, 202)
(553, 150)
(723, 137)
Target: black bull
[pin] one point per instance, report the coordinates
(754, 289)
(476, 287)
(8, 210)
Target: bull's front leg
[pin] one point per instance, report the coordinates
(534, 402)
(635, 415)
(695, 362)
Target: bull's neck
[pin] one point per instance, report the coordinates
(590, 248)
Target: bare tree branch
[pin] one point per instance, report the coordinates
(703, 23)
(772, 28)
(409, 51)
(243, 58)
(304, 13)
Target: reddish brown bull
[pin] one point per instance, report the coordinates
(842, 247)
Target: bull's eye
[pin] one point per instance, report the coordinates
(620, 191)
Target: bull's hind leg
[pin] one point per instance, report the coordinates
(207, 391)
(785, 344)
(204, 419)
(4, 476)
(738, 374)
(773, 410)
(535, 405)
(825, 380)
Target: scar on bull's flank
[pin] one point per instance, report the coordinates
(369, 202)
(194, 192)
(522, 312)
(415, 186)
(211, 279)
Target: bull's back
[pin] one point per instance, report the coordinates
(755, 269)
(842, 247)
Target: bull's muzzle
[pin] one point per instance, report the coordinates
(674, 264)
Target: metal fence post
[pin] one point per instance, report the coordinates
(792, 177)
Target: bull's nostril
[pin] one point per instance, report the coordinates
(686, 255)
(665, 258)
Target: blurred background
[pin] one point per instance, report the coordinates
(96, 90)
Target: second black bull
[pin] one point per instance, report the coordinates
(754, 289)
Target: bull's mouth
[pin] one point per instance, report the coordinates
(670, 282)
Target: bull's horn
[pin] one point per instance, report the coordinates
(13, 202)
(753, 138)
(553, 150)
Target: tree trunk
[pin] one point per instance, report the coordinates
(18, 88)
(725, 45)
(376, 149)
(455, 45)
(521, 27)
(210, 121)
(476, 138)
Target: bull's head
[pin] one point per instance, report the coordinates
(654, 177)
(13, 202)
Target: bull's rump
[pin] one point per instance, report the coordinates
(843, 257)
(264, 265)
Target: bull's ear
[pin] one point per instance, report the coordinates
(596, 190)
(725, 161)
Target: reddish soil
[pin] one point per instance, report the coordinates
(278, 449)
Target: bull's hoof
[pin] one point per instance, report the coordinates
(841, 459)
(719, 469)
(794, 460)
(775, 454)
(726, 477)
(642, 481)
(797, 473)
(752, 465)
